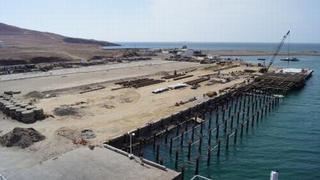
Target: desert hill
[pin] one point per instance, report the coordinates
(23, 44)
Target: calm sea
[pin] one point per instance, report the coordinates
(287, 141)
(220, 46)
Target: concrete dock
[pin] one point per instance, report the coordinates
(83, 164)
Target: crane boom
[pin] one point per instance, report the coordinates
(275, 54)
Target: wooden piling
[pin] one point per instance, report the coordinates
(189, 150)
(209, 138)
(241, 131)
(235, 136)
(176, 160)
(219, 146)
(227, 143)
(181, 139)
(197, 166)
(209, 156)
(170, 147)
(200, 145)
(158, 153)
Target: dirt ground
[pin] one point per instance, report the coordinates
(110, 113)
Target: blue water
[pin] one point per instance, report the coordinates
(220, 46)
(288, 140)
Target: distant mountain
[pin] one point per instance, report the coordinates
(37, 36)
(24, 44)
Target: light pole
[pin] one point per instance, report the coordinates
(130, 154)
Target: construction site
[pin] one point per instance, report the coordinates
(167, 114)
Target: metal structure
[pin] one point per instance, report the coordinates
(275, 54)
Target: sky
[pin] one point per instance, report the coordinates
(169, 20)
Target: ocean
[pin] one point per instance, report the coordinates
(288, 140)
(219, 46)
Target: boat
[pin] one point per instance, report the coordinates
(261, 59)
(290, 59)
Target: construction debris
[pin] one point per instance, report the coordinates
(211, 94)
(185, 102)
(88, 134)
(66, 110)
(21, 137)
(35, 94)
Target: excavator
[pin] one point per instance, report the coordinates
(266, 68)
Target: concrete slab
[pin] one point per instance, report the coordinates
(84, 164)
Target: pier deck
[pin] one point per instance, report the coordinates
(98, 164)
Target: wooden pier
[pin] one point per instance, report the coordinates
(224, 122)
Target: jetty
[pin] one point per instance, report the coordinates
(185, 139)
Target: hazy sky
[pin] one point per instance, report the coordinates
(169, 20)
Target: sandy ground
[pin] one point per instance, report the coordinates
(108, 113)
(58, 79)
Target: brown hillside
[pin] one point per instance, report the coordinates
(23, 44)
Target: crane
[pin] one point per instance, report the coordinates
(275, 54)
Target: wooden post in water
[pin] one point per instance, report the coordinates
(186, 126)
(252, 121)
(217, 118)
(209, 138)
(189, 150)
(241, 131)
(227, 143)
(170, 146)
(235, 136)
(238, 118)
(176, 160)
(192, 134)
(247, 128)
(181, 139)
(225, 127)
(154, 141)
(218, 151)
(166, 136)
(209, 156)
(231, 123)
(210, 121)
(200, 144)
(197, 166)
(177, 127)
(223, 113)
(158, 153)
(217, 133)
(182, 172)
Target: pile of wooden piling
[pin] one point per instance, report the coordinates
(20, 111)
(139, 82)
(173, 76)
(197, 81)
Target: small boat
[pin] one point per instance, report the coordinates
(261, 59)
(290, 59)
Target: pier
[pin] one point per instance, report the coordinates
(196, 135)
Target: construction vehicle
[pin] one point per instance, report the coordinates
(275, 54)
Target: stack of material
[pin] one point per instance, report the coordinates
(20, 111)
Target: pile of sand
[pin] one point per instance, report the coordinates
(21, 137)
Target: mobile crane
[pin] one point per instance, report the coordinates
(275, 54)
